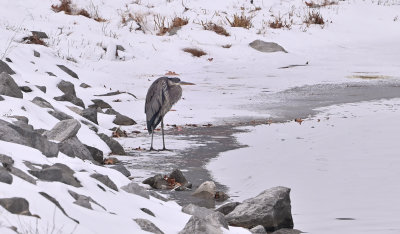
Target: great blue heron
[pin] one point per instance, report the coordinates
(161, 96)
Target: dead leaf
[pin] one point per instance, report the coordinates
(171, 73)
(210, 59)
(298, 120)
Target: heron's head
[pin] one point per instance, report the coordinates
(177, 81)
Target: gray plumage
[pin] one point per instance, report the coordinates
(161, 96)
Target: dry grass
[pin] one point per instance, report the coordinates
(84, 13)
(279, 23)
(216, 28)
(314, 17)
(240, 21)
(179, 22)
(65, 5)
(313, 4)
(163, 26)
(227, 46)
(34, 40)
(195, 52)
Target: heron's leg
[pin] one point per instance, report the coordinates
(151, 147)
(162, 130)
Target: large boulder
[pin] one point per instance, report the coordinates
(5, 177)
(266, 47)
(105, 180)
(199, 225)
(227, 208)
(21, 174)
(8, 86)
(57, 172)
(205, 190)
(100, 103)
(5, 68)
(134, 188)
(66, 87)
(73, 147)
(68, 71)
(258, 229)
(114, 145)
(122, 169)
(148, 226)
(214, 217)
(123, 120)
(64, 130)
(16, 205)
(24, 136)
(60, 115)
(178, 176)
(271, 209)
(42, 103)
(82, 200)
(97, 154)
(156, 182)
(90, 114)
(6, 160)
(70, 98)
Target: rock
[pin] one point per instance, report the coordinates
(271, 209)
(114, 145)
(38, 34)
(158, 196)
(5, 68)
(178, 176)
(227, 208)
(221, 196)
(122, 169)
(205, 190)
(73, 147)
(51, 74)
(64, 130)
(1, 98)
(23, 125)
(36, 54)
(266, 47)
(8, 60)
(25, 89)
(8, 86)
(147, 211)
(85, 86)
(123, 120)
(97, 154)
(120, 48)
(258, 229)
(60, 115)
(42, 103)
(134, 188)
(55, 202)
(148, 226)
(6, 160)
(105, 180)
(90, 125)
(21, 174)
(100, 103)
(16, 205)
(57, 172)
(75, 109)
(90, 114)
(214, 217)
(287, 231)
(20, 118)
(111, 111)
(199, 225)
(72, 99)
(5, 177)
(156, 182)
(66, 87)
(23, 136)
(68, 71)
(42, 88)
(84, 201)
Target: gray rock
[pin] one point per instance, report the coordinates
(90, 114)
(5, 68)
(36, 54)
(147, 211)
(64, 130)
(266, 47)
(23, 136)
(227, 208)
(114, 145)
(8, 60)
(205, 190)
(66, 87)
(148, 226)
(111, 111)
(70, 98)
(134, 188)
(199, 225)
(55, 202)
(60, 115)
(120, 48)
(42, 88)
(42, 103)
(271, 209)
(85, 86)
(105, 180)
(6, 160)
(68, 71)
(5, 177)
(122, 169)
(97, 154)
(25, 89)
(21, 174)
(57, 172)
(90, 125)
(156, 182)
(1, 98)
(82, 200)
(51, 74)
(38, 34)
(158, 196)
(16, 205)
(20, 118)
(73, 147)
(100, 103)
(258, 229)
(178, 176)
(287, 231)
(214, 217)
(8, 86)
(221, 196)
(123, 120)
(23, 125)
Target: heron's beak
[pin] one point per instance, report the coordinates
(186, 83)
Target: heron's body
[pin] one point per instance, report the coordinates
(161, 96)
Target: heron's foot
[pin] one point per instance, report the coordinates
(165, 149)
(152, 149)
